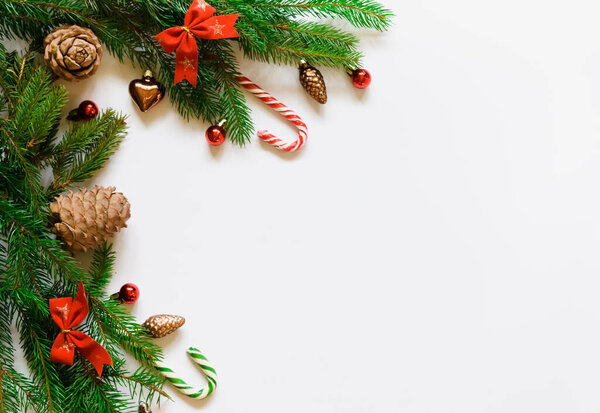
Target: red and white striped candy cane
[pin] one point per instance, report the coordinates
(284, 111)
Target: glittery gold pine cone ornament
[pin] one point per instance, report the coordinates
(313, 82)
(87, 218)
(162, 324)
(72, 52)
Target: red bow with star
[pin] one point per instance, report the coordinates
(198, 22)
(68, 313)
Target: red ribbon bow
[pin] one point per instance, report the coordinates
(68, 314)
(198, 22)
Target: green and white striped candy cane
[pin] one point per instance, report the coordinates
(182, 386)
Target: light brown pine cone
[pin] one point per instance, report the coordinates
(72, 52)
(162, 324)
(87, 218)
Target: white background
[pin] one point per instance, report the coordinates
(432, 249)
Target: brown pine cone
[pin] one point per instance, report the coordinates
(72, 52)
(162, 324)
(89, 217)
(313, 82)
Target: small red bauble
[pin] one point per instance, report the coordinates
(215, 135)
(87, 110)
(361, 78)
(129, 293)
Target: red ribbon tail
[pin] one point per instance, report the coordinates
(91, 350)
(62, 350)
(186, 61)
(217, 27)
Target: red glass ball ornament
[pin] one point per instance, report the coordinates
(129, 293)
(361, 78)
(87, 110)
(215, 135)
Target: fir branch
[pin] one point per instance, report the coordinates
(46, 376)
(29, 174)
(42, 362)
(360, 13)
(10, 398)
(85, 150)
(322, 32)
(232, 103)
(36, 103)
(121, 326)
(21, 83)
(101, 269)
(98, 396)
(54, 259)
(144, 383)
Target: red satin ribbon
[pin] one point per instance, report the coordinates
(198, 22)
(68, 313)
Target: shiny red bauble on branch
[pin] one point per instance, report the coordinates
(361, 78)
(215, 134)
(129, 293)
(87, 110)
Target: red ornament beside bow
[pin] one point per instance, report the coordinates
(198, 22)
(68, 314)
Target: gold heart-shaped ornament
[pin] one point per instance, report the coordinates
(146, 92)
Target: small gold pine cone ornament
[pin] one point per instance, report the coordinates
(313, 82)
(72, 52)
(86, 218)
(162, 324)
